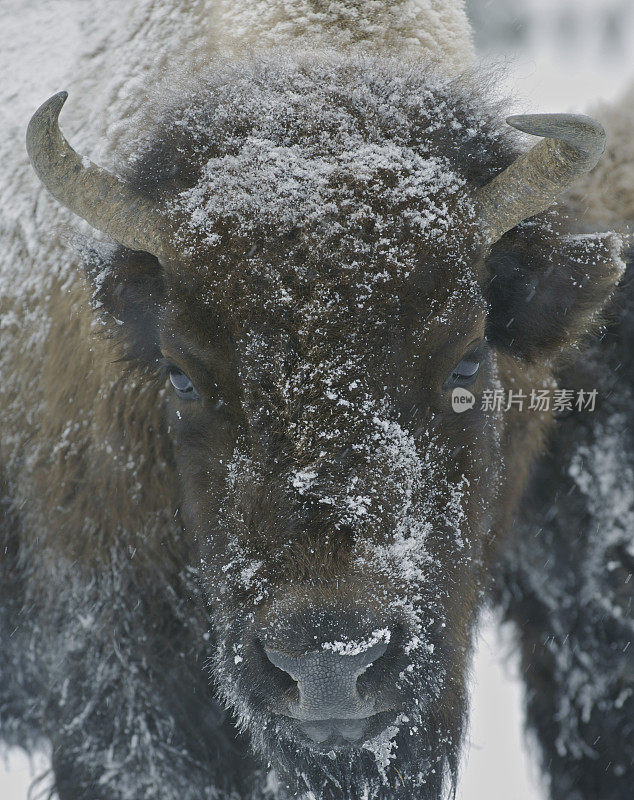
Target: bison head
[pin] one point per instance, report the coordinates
(307, 256)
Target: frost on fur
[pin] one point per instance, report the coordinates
(319, 497)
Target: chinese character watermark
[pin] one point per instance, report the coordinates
(540, 400)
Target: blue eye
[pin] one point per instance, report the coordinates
(465, 372)
(183, 385)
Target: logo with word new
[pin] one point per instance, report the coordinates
(462, 400)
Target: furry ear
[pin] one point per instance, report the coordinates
(129, 286)
(547, 289)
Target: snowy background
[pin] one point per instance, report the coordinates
(555, 55)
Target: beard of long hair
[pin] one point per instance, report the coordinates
(424, 767)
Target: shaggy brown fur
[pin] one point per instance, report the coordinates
(322, 467)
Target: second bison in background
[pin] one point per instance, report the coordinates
(314, 254)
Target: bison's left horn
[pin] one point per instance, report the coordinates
(94, 194)
(573, 144)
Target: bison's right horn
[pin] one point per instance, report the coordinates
(572, 145)
(94, 194)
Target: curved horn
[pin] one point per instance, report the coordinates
(573, 144)
(94, 194)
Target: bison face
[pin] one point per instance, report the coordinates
(338, 502)
(319, 288)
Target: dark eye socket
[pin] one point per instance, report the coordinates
(183, 385)
(465, 373)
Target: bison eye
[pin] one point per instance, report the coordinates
(184, 387)
(465, 372)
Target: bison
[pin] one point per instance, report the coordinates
(246, 536)
(564, 577)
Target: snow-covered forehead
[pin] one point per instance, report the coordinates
(289, 186)
(361, 149)
(328, 199)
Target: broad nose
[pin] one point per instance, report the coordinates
(327, 681)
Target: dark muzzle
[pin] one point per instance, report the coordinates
(327, 683)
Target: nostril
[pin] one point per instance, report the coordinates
(381, 673)
(280, 682)
(282, 662)
(368, 679)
